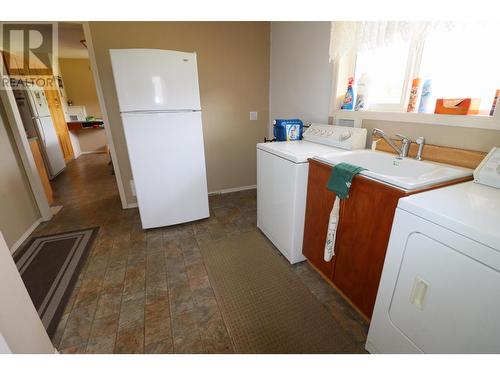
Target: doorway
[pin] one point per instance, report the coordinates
(63, 121)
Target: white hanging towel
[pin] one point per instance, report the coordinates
(332, 231)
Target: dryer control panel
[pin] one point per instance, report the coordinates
(488, 172)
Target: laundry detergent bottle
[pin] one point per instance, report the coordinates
(348, 103)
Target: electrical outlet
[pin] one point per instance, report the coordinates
(254, 116)
(132, 187)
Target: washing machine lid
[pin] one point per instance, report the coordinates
(297, 151)
(470, 209)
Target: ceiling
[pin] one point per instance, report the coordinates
(69, 35)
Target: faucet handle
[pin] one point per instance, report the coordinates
(420, 141)
(404, 139)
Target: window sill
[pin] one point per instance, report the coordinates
(476, 121)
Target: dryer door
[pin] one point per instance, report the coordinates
(445, 300)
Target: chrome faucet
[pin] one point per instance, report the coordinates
(405, 142)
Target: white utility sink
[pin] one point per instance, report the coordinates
(406, 173)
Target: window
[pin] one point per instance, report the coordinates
(385, 71)
(459, 59)
(462, 62)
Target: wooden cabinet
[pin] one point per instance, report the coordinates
(57, 114)
(362, 234)
(362, 238)
(42, 172)
(319, 204)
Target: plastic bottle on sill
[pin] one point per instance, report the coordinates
(425, 97)
(495, 100)
(362, 93)
(348, 103)
(414, 93)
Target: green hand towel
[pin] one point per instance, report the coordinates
(341, 178)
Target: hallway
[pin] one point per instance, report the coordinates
(148, 291)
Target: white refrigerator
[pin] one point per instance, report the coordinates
(35, 114)
(159, 102)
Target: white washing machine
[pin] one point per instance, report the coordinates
(282, 171)
(440, 286)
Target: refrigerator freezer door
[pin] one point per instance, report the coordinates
(51, 148)
(155, 80)
(168, 165)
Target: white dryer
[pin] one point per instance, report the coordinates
(440, 286)
(282, 172)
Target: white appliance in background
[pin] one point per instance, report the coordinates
(35, 114)
(440, 286)
(76, 113)
(488, 171)
(159, 101)
(282, 172)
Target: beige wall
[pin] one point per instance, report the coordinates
(18, 209)
(80, 88)
(91, 140)
(450, 136)
(79, 84)
(233, 67)
(301, 73)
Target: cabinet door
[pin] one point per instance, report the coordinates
(42, 172)
(319, 204)
(362, 237)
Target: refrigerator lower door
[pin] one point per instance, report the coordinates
(51, 149)
(167, 157)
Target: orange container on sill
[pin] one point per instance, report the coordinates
(463, 106)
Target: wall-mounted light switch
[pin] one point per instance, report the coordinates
(254, 116)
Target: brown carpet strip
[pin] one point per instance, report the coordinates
(49, 266)
(266, 307)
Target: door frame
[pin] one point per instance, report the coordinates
(23, 147)
(102, 104)
(22, 144)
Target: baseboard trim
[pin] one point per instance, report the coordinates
(25, 235)
(217, 192)
(92, 152)
(232, 190)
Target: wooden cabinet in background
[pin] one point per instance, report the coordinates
(57, 114)
(365, 222)
(42, 172)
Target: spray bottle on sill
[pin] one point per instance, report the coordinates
(348, 103)
(362, 93)
(414, 93)
(425, 97)
(495, 100)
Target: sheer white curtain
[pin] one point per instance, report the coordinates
(353, 36)
(349, 36)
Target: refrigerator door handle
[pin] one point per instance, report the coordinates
(152, 112)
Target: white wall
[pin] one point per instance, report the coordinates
(301, 74)
(20, 326)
